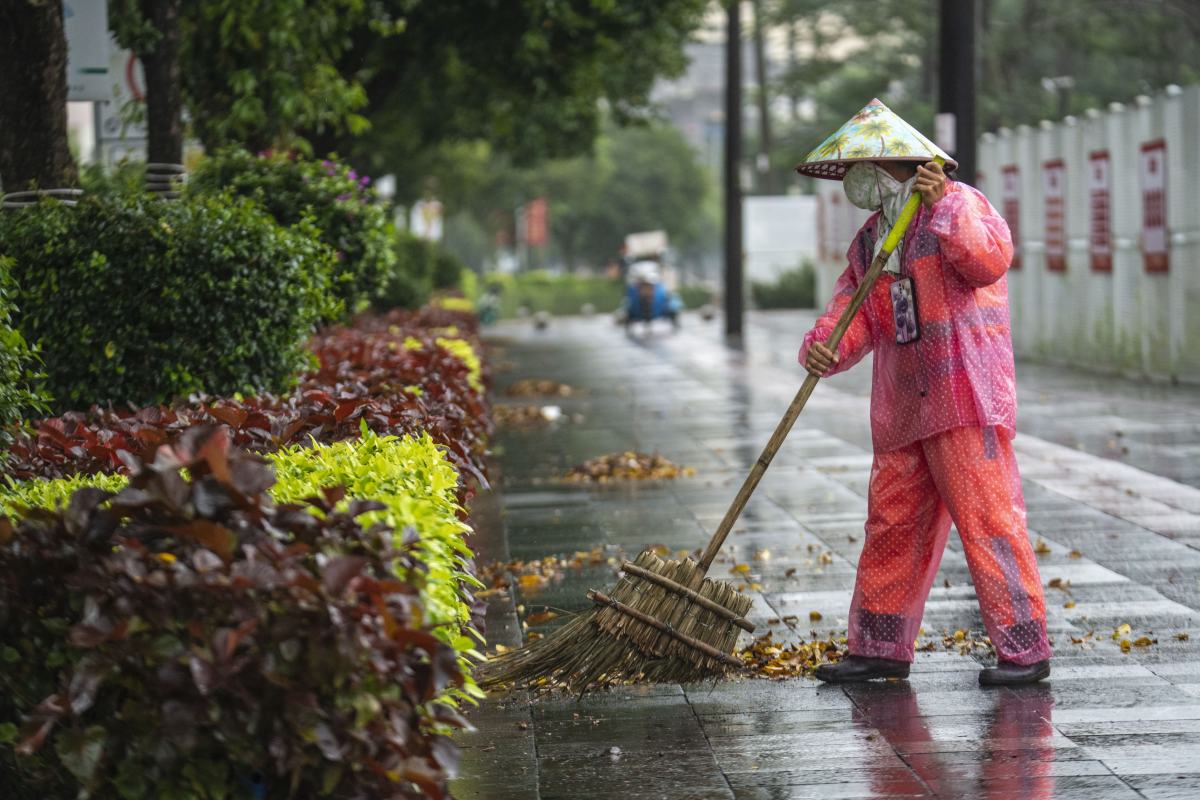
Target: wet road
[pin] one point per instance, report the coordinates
(1111, 477)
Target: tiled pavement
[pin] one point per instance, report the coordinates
(1111, 475)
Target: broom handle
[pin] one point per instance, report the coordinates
(810, 383)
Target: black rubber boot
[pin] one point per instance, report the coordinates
(857, 669)
(1008, 674)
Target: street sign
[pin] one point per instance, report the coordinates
(85, 24)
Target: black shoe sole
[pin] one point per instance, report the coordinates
(991, 677)
(861, 677)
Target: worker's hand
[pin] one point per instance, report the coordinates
(931, 183)
(820, 359)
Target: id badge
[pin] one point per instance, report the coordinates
(904, 309)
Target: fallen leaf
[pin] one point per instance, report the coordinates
(814, 616)
(1183, 637)
(1075, 554)
(1122, 630)
(1069, 604)
(1041, 548)
(740, 569)
(1144, 641)
(541, 617)
(790, 572)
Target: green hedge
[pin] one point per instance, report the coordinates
(420, 268)
(564, 295)
(132, 299)
(796, 288)
(18, 399)
(337, 199)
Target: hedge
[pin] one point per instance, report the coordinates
(133, 300)
(18, 364)
(795, 288)
(185, 638)
(339, 202)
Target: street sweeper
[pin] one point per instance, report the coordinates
(943, 402)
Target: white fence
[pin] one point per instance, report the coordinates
(1105, 212)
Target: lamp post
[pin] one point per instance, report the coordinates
(734, 301)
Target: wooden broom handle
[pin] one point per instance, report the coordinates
(806, 389)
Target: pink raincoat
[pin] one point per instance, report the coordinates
(960, 372)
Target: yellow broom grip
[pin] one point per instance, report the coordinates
(906, 214)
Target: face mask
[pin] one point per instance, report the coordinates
(868, 186)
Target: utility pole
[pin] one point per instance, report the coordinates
(956, 84)
(734, 301)
(762, 163)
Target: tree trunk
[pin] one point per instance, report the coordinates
(766, 183)
(33, 97)
(164, 87)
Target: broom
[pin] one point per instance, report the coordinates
(665, 622)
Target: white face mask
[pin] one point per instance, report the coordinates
(869, 186)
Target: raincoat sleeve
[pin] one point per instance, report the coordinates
(974, 238)
(857, 341)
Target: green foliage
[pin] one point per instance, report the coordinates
(695, 296)
(795, 288)
(853, 50)
(135, 300)
(18, 496)
(336, 198)
(420, 268)
(528, 76)
(411, 477)
(556, 294)
(260, 73)
(175, 639)
(18, 361)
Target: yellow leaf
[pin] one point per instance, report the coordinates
(1143, 641)
(540, 617)
(1125, 645)
(1122, 630)
(1041, 548)
(814, 616)
(740, 568)
(1075, 554)
(960, 635)
(1069, 604)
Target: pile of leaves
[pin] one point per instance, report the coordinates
(394, 375)
(532, 576)
(767, 658)
(539, 387)
(963, 642)
(211, 639)
(525, 416)
(627, 466)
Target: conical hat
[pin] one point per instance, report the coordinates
(874, 134)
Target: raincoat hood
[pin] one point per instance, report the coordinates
(874, 134)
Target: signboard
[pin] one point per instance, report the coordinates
(537, 213)
(85, 24)
(1154, 205)
(1053, 179)
(646, 243)
(1099, 185)
(425, 220)
(121, 116)
(1010, 207)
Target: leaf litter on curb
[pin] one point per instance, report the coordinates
(627, 465)
(767, 658)
(540, 387)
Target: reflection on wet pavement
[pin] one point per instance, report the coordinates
(1122, 534)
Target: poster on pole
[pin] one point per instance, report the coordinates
(1054, 176)
(1154, 205)
(1010, 207)
(1100, 211)
(85, 26)
(536, 222)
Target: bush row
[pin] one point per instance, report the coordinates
(187, 638)
(567, 294)
(227, 616)
(136, 301)
(794, 288)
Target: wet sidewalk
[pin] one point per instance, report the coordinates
(1111, 476)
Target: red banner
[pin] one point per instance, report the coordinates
(1100, 211)
(1010, 207)
(536, 228)
(1154, 205)
(1054, 178)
